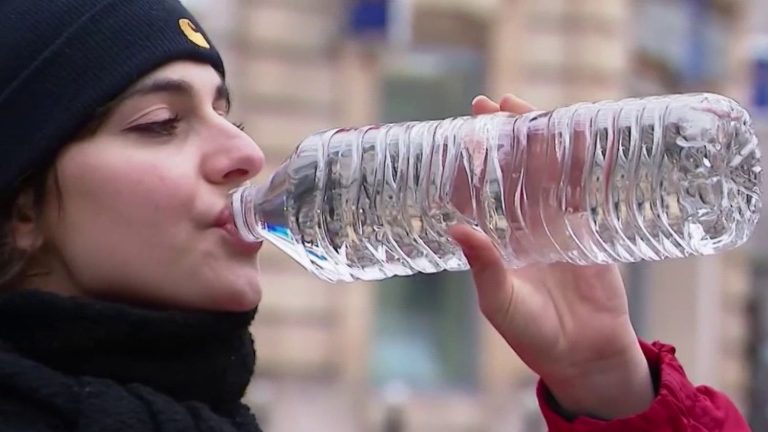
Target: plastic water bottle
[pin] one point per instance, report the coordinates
(613, 181)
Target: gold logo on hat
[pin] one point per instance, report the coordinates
(190, 31)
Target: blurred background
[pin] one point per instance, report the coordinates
(414, 354)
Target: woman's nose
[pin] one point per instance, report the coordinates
(233, 158)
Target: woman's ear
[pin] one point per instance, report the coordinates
(25, 223)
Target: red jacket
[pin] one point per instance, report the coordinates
(678, 407)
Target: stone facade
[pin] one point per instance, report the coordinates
(294, 72)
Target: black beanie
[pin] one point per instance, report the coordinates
(62, 60)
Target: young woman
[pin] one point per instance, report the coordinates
(126, 295)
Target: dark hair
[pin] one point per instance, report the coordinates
(14, 261)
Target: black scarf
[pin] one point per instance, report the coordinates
(83, 365)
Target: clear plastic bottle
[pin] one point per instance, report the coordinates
(613, 181)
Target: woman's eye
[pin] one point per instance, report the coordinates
(165, 127)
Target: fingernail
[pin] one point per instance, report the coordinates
(479, 98)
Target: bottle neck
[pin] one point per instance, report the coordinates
(243, 200)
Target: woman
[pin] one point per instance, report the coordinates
(126, 294)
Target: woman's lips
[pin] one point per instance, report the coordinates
(226, 222)
(238, 242)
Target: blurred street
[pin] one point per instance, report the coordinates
(414, 354)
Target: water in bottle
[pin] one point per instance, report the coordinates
(613, 181)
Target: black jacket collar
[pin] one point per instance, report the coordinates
(189, 356)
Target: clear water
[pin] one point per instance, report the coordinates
(638, 179)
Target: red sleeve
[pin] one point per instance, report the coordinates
(678, 407)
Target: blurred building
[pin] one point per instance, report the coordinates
(700, 305)
(758, 96)
(414, 354)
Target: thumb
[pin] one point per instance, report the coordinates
(488, 269)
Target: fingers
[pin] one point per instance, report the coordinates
(509, 102)
(514, 104)
(483, 105)
(488, 270)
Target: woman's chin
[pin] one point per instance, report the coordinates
(239, 299)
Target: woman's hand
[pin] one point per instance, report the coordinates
(570, 324)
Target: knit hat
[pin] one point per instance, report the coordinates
(61, 60)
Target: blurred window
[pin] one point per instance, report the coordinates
(425, 327)
(680, 44)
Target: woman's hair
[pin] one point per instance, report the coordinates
(13, 260)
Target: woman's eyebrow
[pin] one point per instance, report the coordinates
(173, 86)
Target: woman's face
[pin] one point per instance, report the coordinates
(143, 215)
